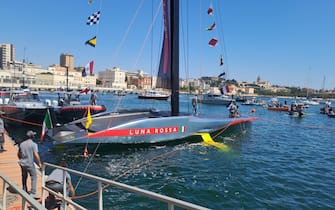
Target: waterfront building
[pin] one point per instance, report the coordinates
(6, 55)
(67, 60)
(114, 78)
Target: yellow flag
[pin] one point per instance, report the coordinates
(92, 42)
(89, 118)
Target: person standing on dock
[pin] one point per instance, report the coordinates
(28, 150)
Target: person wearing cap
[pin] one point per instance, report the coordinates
(28, 150)
(55, 182)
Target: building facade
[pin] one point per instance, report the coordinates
(113, 78)
(6, 55)
(66, 60)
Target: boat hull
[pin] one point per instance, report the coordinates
(163, 98)
(65, 114)
(280, 109)
(140, 127)
(15, 116)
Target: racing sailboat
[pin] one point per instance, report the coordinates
(147, 126)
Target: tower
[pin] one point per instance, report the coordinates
(67, 60)
(6, 55)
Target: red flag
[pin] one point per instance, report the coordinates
(213, 26)
(91, 67)
(86, 90)
(210, 11)
(213, 42)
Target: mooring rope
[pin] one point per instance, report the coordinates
(21, 121)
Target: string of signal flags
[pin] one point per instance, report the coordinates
(93, 19)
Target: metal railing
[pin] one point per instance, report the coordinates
(171, 202)
(26, 198)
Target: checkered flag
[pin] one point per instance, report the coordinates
(93, 19)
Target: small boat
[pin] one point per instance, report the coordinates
(154, 94)
(241, 99)
(278, 108)
(253, 101)
(275, 105)
(331, 114)
(327, 108)
(22, 107)
(216, 99)
(68, 107)
(296, 109)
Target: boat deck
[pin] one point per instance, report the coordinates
(10, 168)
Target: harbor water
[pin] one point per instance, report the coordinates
(276, 162)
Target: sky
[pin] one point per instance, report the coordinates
(286, 42)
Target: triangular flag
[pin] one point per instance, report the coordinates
(47, 124)
(89, 118)
(213, 26)
(92, 41)
(222, 74)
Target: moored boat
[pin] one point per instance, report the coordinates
(68, 107)
(22, 107)
(148, 126)
(154, 94)
(217, 99)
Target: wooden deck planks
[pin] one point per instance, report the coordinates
(10, 167)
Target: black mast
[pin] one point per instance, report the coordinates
(174, 21)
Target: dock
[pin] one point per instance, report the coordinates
(10, 168)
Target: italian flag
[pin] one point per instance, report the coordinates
(182, 129)
(47, 124)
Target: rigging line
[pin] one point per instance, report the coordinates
(224, 128)
(201, 38)
(225, 54)
(114, 57)
(186, 44)
(89, 162)
(152, 43)
(147, 35)
(137, 166)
